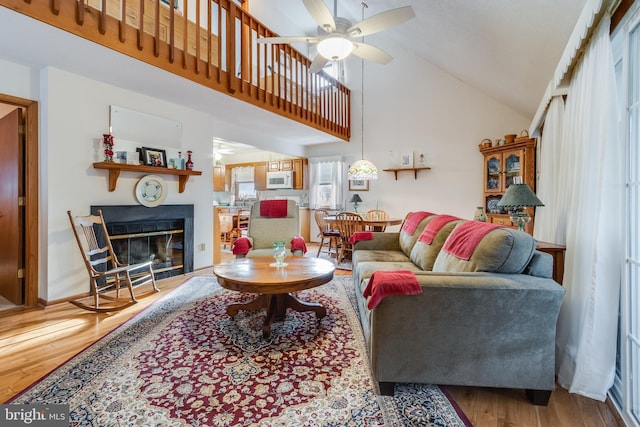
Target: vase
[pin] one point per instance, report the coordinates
(107, 140)
(480, 215)
(189, 164)
(279, 253)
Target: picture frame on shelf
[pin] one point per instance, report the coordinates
(358, 185)
(406, 159)
(154, 157)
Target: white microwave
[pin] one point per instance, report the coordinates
(280, 179)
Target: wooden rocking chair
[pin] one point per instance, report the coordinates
(106, 274)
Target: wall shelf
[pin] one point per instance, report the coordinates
(115, 168)
(415, 171)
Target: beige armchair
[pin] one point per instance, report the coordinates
(264, 230)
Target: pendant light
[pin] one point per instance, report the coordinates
(362, 169)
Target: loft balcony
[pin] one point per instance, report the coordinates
(210, 42)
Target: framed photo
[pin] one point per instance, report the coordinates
(358, 185)
(120, 157)
(154, 157)
(406, 159)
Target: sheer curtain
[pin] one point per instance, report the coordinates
(590, 216)
(546, 228)
(325, 183)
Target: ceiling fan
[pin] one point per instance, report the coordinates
(336, 37)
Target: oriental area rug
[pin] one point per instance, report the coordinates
(184, 361)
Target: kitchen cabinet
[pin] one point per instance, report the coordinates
(305, 223)
(260, 175)
(219, 178)
(501, 165)
(297, 165)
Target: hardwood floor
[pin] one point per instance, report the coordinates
(34, 342)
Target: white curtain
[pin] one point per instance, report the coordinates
(549, 169)
(590, 208)
(325, 183)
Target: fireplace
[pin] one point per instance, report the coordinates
(163, 235)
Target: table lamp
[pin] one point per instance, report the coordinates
(355, 199)
(517, 197)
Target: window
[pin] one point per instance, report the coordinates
(325, 183)
(626, 389)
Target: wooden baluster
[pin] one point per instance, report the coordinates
(123, 21)
(101, 17)
(198, 35)
(220, 36)
(55, 7)
(156, 43)
(79, 11)
(141, 25)
(172, 33)
(231, 47)
(185, 34)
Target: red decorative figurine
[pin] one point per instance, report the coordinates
(108, 147)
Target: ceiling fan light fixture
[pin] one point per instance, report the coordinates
(335, 48)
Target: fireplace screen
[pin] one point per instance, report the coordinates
(161, 242)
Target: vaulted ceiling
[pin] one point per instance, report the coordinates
(508, 49)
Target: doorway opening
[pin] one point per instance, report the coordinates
(23, 268)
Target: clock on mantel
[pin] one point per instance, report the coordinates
(115, 168)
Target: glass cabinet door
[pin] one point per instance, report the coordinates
(492, 171)
(512, 166)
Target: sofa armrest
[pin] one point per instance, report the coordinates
(380, 241)
(494, 330)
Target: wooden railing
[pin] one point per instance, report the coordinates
(211, 42)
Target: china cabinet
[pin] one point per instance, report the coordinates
(501, 165)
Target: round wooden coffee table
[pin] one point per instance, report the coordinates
(274, 285)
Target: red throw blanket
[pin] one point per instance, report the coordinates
(273, 208)
(393, 282)
(360, 235)
(298, 244)
(412, 221)
(465, 237)
(434, 226)
(241, 246)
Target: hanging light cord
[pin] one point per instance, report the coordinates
(364, 5)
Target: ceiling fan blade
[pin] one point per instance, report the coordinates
(318, 64)
(381, 21)
(321, 14)
(288, 39)
(371, 53)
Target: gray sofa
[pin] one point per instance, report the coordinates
(489, 321)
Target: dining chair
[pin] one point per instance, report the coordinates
(106, 274)
(347, 223)
(226, 229)
(376, 214)
(241, 225)
(326, 232)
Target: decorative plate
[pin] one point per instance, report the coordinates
(151, 191)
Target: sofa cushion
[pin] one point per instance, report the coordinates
(502, 250)
(363, 271)
(408, 239)
(371, 255)
(426, 250)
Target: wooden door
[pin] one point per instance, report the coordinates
(11, 214)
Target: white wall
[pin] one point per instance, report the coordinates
(75, 114)
(413, 106)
